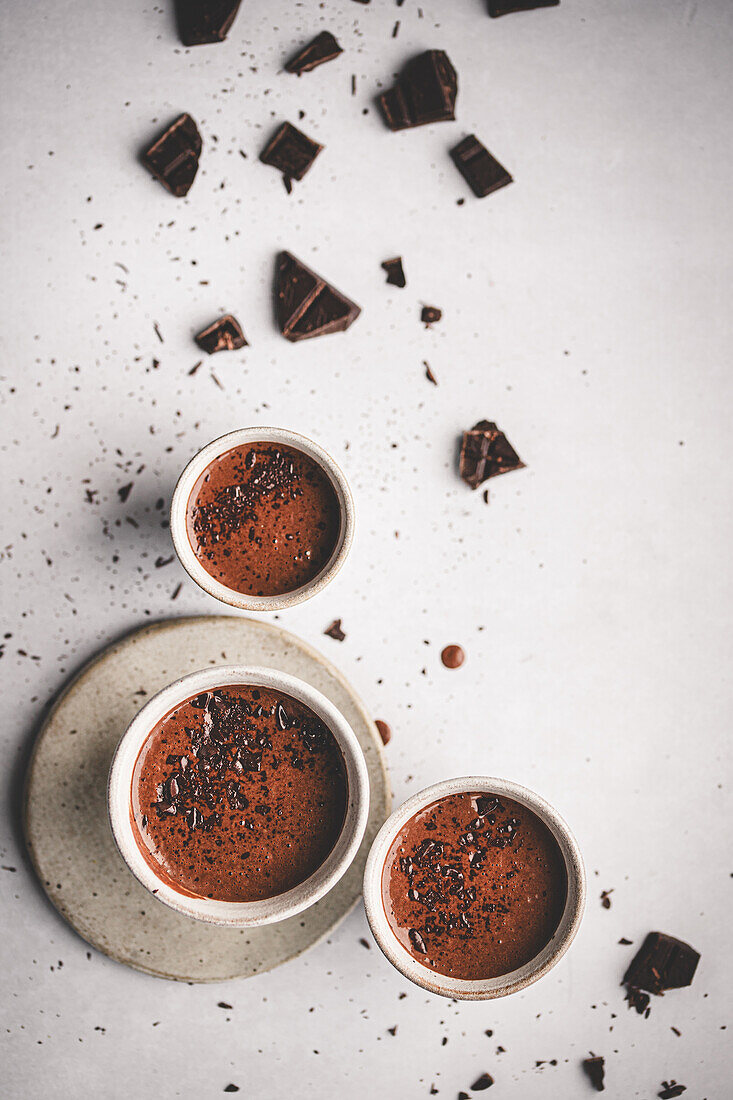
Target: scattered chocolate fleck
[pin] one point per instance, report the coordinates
(384, 731)
(480, 170)
(392, 1030)
(638, 1000)
(625, 942)
(195, 367)
(662, 963)
(453, 656)
(486, 452)
(322, 48)
(177, 590)
(124, 491)
(222, 335)
(231, 1088)
(425, 92)
(290, 151)
(606, 898)
(201, 22)
(429, 315)
(334, 631)
(223, 1004)
(485, 1081)
(506, 7)
(160, 562)
(670, 1089)
(677, 1032)
(396, 29)
(595, 1068)
(158, 333)
(173, 158)
(429, 374)
(365, 943)
(306, 304)
(395, 271)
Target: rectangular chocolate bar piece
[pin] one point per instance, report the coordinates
(202, 22)
(322, 48)
(425, 92)
(290, 151)
(480, 170)
(173, 158)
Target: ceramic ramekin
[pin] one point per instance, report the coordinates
(190, 476)
(238, 914)
(462, 988)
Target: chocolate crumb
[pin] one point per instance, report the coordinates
(485, 1081)
(231, 1088)
(625, 942)
(223, 1004)
(384, 731)
(124, 491)
(334, 631)
(453, 656)
(429, 374)
(392, 1030)
(222, 335)
(595, 1068)
(670, 1089)
(365, 943)
(606, 899)
(395, 271)
(430, 315)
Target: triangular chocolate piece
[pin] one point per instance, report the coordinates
(202, 22)
(173, 158)
(322, 48)
(223, 335)
(486, 452)
(306, 304)
(425, 92)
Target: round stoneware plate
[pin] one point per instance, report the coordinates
(67, 828)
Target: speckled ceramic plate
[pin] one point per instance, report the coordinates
(67, 829)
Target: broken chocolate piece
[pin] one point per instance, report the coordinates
(395, 271)
(334, 631)
(595, 1068)
(670, 1089)
(606, 898)
(306, 304)
(662, 963)
(322, 48)
(485, 1081)
(486, 452)
(429, 315)
(201, 22)
(425, 92)
(506, 7)
(384, 731)
(173, 158)
(638, 1000)
(290, 151)
(480, 170)
(223, 335)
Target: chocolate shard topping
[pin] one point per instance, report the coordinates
(223, 335)
(306, 305)
(485, 1081)
(322, 48)
(395, 271)
(662, 963)
(480, 170)
(507, 7)
(173, 158)
(425, 92)
(201, 22)
(290, 151)
(486, 452)
(595, 1069)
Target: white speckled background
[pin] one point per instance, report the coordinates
(584, 310)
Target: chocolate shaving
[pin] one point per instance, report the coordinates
(480, 170)
(662, 963)
(507, 7)
(322, 48)
(222, 335)
(291, 152)
(334, 631)
(395, 271)
(486, 452)
(595, 1068)
(173, 158)
(202, 22)
(306, 304)
(425, 92)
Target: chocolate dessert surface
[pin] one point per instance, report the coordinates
(474, 886)
(238, 794)
(263, 519)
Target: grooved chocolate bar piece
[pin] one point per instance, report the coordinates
(173, 158)
(306, 305)
(486, 452)
(395, 271)
(290, 151)
(201, 22)
(322, 48)
(662, 963)
(223, 335)
(506, 7)
(480, 170)
(425, 92)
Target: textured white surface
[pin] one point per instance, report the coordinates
(584, 311)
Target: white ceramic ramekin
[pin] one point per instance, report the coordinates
(229, 913)
(462, 988)
(190, 476)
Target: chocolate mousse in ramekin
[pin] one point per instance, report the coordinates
(262, 518)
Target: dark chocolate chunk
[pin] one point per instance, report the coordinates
(395, 271)
(322, 48)
(173, 158)
(480, 170)
(384, 731)
(662, 963)
(334, 631)
(485, 1081)
(486, 452)
(606, 898)
(453, 656)
(425, 92)
(506, 7)
(670, 1089)
(223, 1004)
(638, 1000)
(595, 1068)
(201, 22)
(223, 335)
(124, 491)
(429, 315)
(306, 304)
(290, 151)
